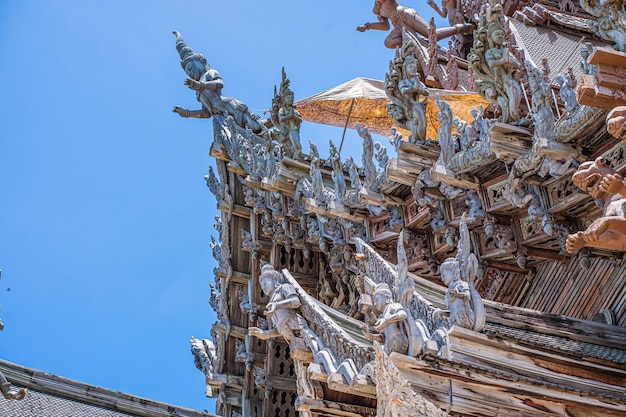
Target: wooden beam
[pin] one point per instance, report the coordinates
(325, 407)
(590, 93)
(441, 173)
(280, 384)
(608, 56)
(399, 175)
(456, 387)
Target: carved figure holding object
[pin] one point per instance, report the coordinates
(391, 322)
(282, 311)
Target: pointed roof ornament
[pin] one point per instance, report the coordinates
(185, 51)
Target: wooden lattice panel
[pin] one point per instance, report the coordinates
(295, 261)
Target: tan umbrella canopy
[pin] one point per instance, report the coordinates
(365, 101)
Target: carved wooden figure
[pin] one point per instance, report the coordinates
(608, 189)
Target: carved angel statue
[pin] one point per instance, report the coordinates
(286, 119)
(397, 326)
(281, 310)
(415, 93)
(608, 189)
(208, 84)
(405, 18)
(391, 322)
(465, 306)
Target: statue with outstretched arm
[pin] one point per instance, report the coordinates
(208, 84)
(405, 18)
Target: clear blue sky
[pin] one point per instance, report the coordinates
(105, 218)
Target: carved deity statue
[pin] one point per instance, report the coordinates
(208, 84)
(504, 67)
(541, 98)
(567, 93)
(415, 92)
(585, 53)
(392, 320)
(282, 311)
(465, 306)
(608, 189)
(337, 174)
(286, 119)
(405, 18)
(447, 143)
(458, 296)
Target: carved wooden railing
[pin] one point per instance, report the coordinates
(331, 330)
(380, 271)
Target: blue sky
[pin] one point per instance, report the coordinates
(105, 218)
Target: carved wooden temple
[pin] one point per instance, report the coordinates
(480, 272)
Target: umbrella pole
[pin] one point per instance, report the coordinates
(346, 125)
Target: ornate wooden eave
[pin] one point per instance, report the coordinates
(358, 322)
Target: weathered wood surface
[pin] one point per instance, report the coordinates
(415, 158)
(399, 175)
(590, 93)
(497, 375)
(441, 173)
(331, 408)
(509, 141)
(569, 290)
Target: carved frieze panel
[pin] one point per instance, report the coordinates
(353, 230)
(563, 195)
(495, 198)
(414, 215)
(490, 284)
(238, 296)
(380, 228)
(616, 156)
(457, 207)
(418, 252)
(442, 246)
(581, 207)
(498, 244)
(530, 228)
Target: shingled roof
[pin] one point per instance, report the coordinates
(53, 396)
